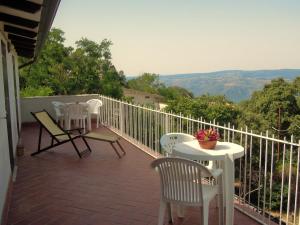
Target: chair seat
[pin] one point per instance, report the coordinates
(102, 137)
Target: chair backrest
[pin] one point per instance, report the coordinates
(58, 108)
(167, 141)
(94, 105)
(76, 110)
(48, 123)
(180, 180)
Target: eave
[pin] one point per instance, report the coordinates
(26, 23)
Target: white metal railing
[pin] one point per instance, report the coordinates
(267, 177)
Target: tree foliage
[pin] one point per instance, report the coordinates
(274, 108)
(208, 107)
(85, 69)
(173, 93)
(150, 83)
(147, 82)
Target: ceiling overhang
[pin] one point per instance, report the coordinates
(26, 23)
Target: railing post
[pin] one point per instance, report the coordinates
(121, 117)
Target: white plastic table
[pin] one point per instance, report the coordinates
(83, 104)
(226, 152)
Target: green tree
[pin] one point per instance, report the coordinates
(85, 69)
(173, 93)
(150, 83)
(147, 82)
(208, 107)
(273, 108)
(50, 67)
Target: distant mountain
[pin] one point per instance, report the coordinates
(237, 85)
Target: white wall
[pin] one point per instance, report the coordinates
(35, 104)
(18, 93)
(5, 171)
(12, 100)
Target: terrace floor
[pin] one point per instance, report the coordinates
(58, 188)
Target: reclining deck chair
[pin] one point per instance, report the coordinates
(62, 136)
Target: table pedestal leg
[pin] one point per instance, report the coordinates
(229, 189)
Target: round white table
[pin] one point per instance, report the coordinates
(225, 152)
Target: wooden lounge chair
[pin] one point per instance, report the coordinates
(61, 136)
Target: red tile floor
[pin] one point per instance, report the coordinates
(58, 188)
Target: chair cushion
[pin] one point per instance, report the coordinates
(102, 137)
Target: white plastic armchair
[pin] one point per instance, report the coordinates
(168, 141)
(94, 108)
(185, 189)
(59, 111)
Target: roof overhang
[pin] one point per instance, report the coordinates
(26, 23)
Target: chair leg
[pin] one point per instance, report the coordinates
(76, 149)
(83, 124)
(122, 149)
(180, 211)
(162, 211)
(115, 150)
(69, 124)
(205, 213)
(170, 218)
(220, 200)
(98, 121)
(86, 143)
(40, 138)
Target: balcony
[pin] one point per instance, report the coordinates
(56, 187)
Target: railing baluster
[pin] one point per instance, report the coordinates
(240, 169)
(282, 182)
(271, 179)
(265, 175)
(290, 181)
(259, 172)
(245, 166)
(233, 134)
(297, 186)
(250, 167)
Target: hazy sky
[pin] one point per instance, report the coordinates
(177, 36)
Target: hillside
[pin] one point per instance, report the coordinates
(237, 85)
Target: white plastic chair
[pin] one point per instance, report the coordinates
(185, 189)
(59, 111)
(94, 108)
(168, 141)
(77, 112)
